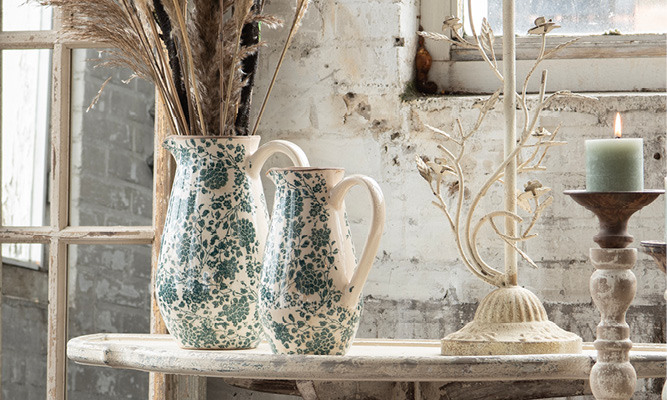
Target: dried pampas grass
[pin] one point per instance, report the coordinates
(200, 54)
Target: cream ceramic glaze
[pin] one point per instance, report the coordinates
(310, 294)
(213, 241)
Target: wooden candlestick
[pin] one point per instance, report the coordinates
(613, 210)
(657, 250)
(613, 286)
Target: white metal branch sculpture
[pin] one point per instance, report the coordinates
(532, 145)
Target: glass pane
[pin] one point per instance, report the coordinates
(24, 333)
(24, 255)
(26, 87)
(109, 291)
(582, 16)
(21, 15)
(112, 145)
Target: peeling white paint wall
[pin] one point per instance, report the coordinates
(339, 98)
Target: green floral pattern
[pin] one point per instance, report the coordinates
(210, 260)
(302, 281)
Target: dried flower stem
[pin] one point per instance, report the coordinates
(188, 52)
(239, 17)
(298, 16)
(178, 48)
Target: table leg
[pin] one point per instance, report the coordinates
(307, 390)
(613, 287)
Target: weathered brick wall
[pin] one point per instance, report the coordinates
(339, 97)
(112, 185)
(24, 319)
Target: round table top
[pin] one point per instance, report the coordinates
(367, 360)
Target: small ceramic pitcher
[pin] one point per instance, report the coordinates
(310, 291)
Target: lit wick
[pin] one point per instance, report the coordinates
(617, 126)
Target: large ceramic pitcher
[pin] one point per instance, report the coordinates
(310, 295)
(213, 241)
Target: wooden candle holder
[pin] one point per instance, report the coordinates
(613, 286)
(656, 249)
(613, 210)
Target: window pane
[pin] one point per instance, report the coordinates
(20, 15)
(109, 292)
(112, 145)
(26, 97)
(584, 16)
(24, 255)
(24, 333)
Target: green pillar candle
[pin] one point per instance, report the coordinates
(615, 165)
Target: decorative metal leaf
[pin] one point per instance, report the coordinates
(444, 134)
(487, 35)
(523, 255)
(434, 36)
(540, 132)
(441, 168)
(523, 201)
(559, 47)
(451, 22)
(423, 169)
(543, 26)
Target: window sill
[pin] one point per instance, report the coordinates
(594, 46)
(410, 96)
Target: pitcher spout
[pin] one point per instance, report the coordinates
(170, 143)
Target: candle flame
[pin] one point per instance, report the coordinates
(617, 126)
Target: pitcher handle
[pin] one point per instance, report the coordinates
(363, 268)
(256, 161)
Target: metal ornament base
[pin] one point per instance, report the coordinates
(510, 320)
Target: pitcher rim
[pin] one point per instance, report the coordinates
(301, 169)
(185, 137)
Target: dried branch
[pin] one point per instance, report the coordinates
(249, 37)
(163, 21)
(240, 15)
(204, 31)
(98, 95)
(193, 54)
(302, 7)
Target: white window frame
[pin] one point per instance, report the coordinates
(595, 63)
(59, 234)
(35, 170)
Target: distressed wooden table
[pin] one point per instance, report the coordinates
(401, 363)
